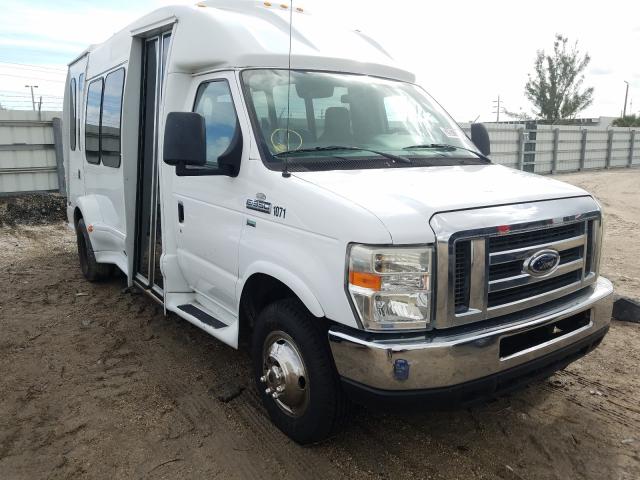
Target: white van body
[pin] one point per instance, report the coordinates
(215, 249)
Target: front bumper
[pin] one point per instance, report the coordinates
(438, 360)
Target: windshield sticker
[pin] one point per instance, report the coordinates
(449, 132)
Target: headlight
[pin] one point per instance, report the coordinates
(391, 287)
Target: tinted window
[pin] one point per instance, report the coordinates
(111, 116)
(72, 114)
(214, 103)
(79, 98)
(313, 110)
(92, 122)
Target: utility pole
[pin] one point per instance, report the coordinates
(497, 112)
(33, 100)
(626, 94)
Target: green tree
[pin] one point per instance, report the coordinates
(555, 88)
(628, 121)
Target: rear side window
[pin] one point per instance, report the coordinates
(92, 122)
(111, 119)
(214, 103)
(72, 114)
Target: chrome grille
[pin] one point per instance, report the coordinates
(484, 267)
(535, 237)
(463, 265)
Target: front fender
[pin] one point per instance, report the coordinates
(291, 280)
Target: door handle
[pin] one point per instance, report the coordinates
(180, 213)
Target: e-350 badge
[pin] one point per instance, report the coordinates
(259, 205)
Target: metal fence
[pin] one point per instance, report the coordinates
(550, 149)
(30, 153)
(31, 157)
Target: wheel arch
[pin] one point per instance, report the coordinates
(266, 284)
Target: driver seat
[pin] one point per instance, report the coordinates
(337, 127)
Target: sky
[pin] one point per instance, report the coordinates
(465, 53)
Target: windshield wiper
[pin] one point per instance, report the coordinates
(330, 148)
(446, 146)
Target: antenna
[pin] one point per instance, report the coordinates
(285, 168)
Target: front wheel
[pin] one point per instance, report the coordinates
(294, 373)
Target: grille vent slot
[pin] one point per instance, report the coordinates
(462, 275)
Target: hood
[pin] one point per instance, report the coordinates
(404, 199)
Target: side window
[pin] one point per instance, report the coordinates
(79, 98)
(72, 114)
(214, 103)
(92, 122)
(261, 105)
(111, 116)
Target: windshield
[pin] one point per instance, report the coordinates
(306, 115)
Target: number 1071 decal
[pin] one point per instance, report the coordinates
(279, 212)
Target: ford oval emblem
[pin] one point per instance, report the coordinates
(542, 263)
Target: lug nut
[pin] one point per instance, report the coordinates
(268, 391)
(275, 395)
(263, 379)
(280, 388)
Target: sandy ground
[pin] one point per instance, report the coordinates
(95, 382)
(618, 191)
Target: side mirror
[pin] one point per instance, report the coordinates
(185, 139)
(480, 137)
(229, 161)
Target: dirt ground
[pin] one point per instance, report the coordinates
(95, 382)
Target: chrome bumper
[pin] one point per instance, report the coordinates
(442, 359)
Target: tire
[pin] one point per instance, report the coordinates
(92, 270)
(324, 408)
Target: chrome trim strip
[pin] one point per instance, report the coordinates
(477, 283)
(526, 279)
(505, 256)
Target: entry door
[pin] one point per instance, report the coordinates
(148, 222)
(76, 129)
(210, 219)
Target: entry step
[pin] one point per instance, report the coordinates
(201, 315)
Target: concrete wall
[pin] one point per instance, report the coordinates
(27, 151)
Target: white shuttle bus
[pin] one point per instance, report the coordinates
(279, 182)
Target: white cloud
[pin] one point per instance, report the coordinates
(464, 53)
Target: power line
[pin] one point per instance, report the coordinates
(60, 69)
(28, 102)
(29, 96)
(34, 78)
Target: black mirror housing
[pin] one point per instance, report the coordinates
(480, 137)
(229, 161)
(185, 139)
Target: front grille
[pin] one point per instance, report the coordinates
(531, 290)
(462, 268)
(501, 271)
(535, 237)
(589, 255)
(506, 286)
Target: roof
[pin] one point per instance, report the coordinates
(218, 34)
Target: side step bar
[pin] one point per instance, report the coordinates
(201, 315)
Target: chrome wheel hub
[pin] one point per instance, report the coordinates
(284, 374)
